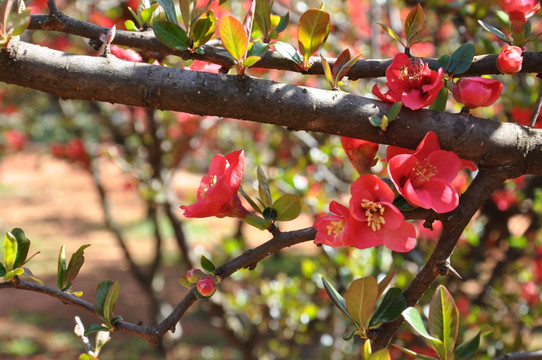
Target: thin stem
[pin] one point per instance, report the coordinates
(537, 108)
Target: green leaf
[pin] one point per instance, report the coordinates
(262, 16)
(312, 30)
(495, 32)
(109, 303)
(391, 307)
(337, 299)
(2, 270)
(186, 12)
(23, 244)
(382, 354)
(361, 298)
(87, 357)
(442, 99)
(346, 67)
(169, 8)
(470, 347)
(61, 270)
(283, 23)
(251, 60)
(461, 59)
(288, 207)
(130, 26)
(10, 251)
(444, 62)
(233, 36)
(415, 354)
(349, 336)
(366, 350)
(383, 284)
(207, 265)
(413, 317)
(171, 35)
(21, 22)
(327, 72)
(184, 282)
(414, 23)
(99, 298)
(392, 33)
(95, 327)
(11, 274)
(204, 28)
(249, 200)
(402, 204)
(444, 320)
(263, 188)
(394, 110)
(146, 14)
(375, 121)
(76, 261)
(288, 51)
(258, 49)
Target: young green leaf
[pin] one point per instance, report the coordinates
(233, 36)
(76, 262)
(258, 49)
(375, 121)
(391, 307)
(382, 354)
(440, 102)
(207, 265)
(95, 327)
(413, 317)
(343, 71)
(109, 303)
(204, 28)
(495, 32)
(2, 270)
(169, 8)
(383, 284)
(414, 23)
(263, 188)
(99, 298)
(171, 35)
(262, 17)
(288, 207)
(337, 299)
(288, 51)
(23, 245)
(327, 72)
(87, 357)
(361, 298)
(186, 12)
(392, 33)
(61, 269)
(249, 200)
(394, 110)
(444, 320)
(312, 30)
(444, 62)
(281, 26)
(130, 25)
(146, 14)
(10, 251)
(461, 59)
(21, 22)
(470, 347)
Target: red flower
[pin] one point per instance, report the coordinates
(412, 82)
(424, 177)
(335, 229)
(126, 54)
(477, 91)
(382, 223)
(361, 153)
(510, 59)
(217, 193)
(523, 117)
(15, 140)
(519, 11)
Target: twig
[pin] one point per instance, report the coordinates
(80, 333)
(537, 108)
(534, 355)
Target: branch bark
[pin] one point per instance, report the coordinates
(503, 146)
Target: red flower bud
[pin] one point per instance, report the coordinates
(519, 11)
(510, 59)
(477, 91)
(361, 153)
(193, 275)
(206, 286)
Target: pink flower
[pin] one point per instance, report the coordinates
(371, 204)
(217, 192)
(193, 275)
(15, 140)
(520, 11)
(425, 176)
(206, 286)
(126, 54)
(335, 229)
(510, 59)
(477, 91)
(412, 82)
(361, 153)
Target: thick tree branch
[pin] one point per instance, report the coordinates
(505, 146)
(152, 334)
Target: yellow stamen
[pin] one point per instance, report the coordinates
(374, 213)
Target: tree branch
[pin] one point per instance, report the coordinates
(534, 355)
(505, 146)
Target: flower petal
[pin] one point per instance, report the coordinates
(402, 239)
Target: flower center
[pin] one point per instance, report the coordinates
(374, 213)
(206, 188)
(335, 227)
(423, 172)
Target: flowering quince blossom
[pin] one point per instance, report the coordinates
(510, 59)
(520, 11)
(361, 153)
(206, 286)
(217, 192)
(412, 82)
(370, 220)
(477, 91)
(424, 177)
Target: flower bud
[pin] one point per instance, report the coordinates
(510, 59)
(361, 153)
(519, 11)
(193, 275)
(206, 286)
(477, 91)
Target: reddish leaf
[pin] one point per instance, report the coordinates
(233, 36)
